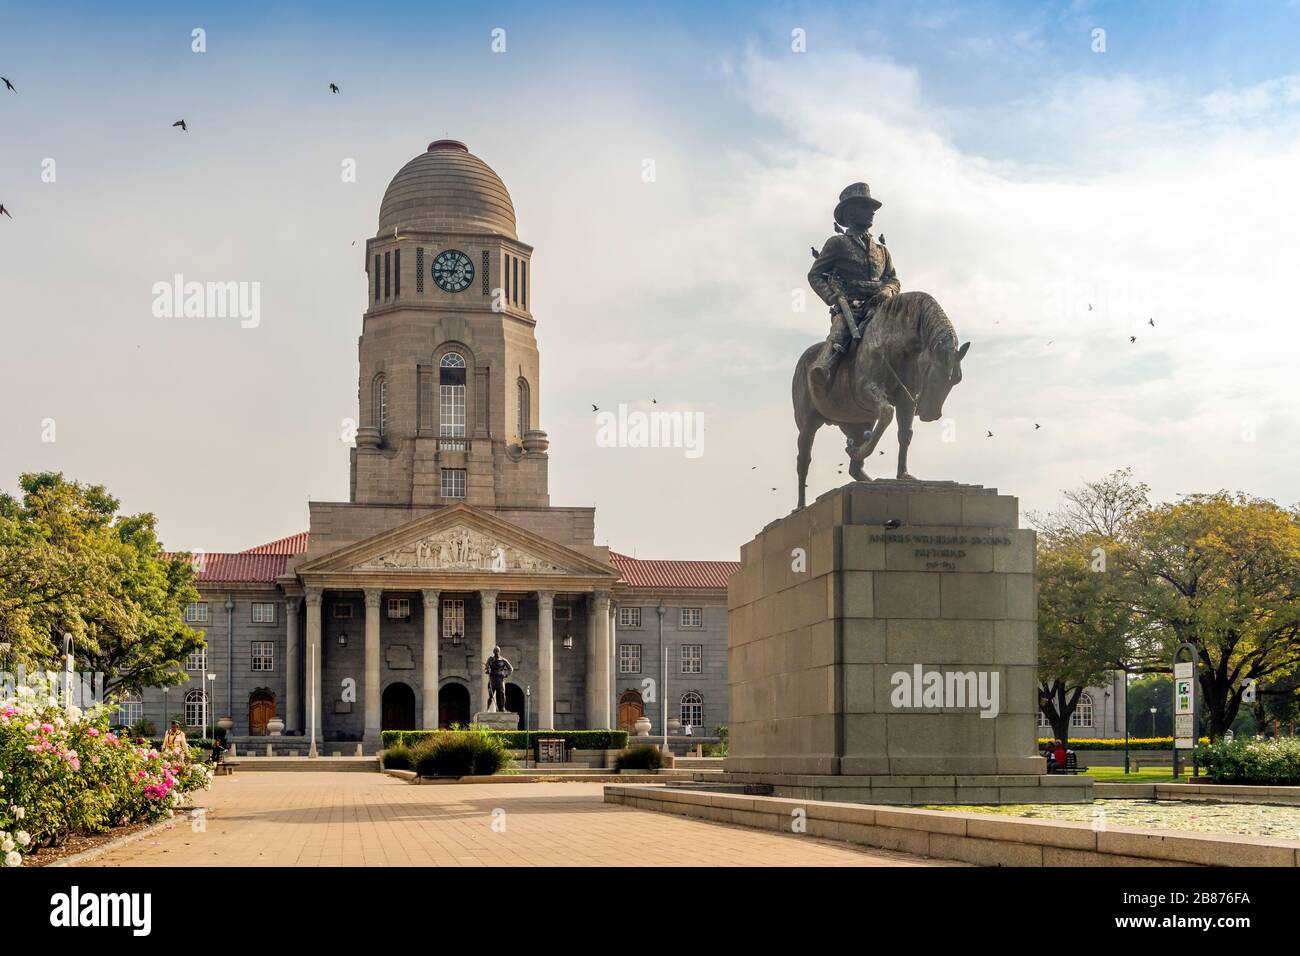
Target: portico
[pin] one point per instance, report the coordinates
(436, 595)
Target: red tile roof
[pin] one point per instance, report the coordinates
(294, 544)
(640, 573)
(241, 568)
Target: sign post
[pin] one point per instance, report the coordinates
(1185, 722)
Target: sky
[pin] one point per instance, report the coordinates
(1055, 193)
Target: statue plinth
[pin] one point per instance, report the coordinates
(883, 649)
(497, 720)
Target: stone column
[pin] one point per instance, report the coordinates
(429, 693)
(600, 639)
(545, 660)
(292, 714)
(374, 709)
(487, 602)
(592, 662)
(312, 719)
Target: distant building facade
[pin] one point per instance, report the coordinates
(381, 614)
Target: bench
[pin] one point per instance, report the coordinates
(1071, 764)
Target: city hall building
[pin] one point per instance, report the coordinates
(381, 614)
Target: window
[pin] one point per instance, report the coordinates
(130, 709)
(196, 613)
(1042, 719)
(521, 418)
(263, 612)
(508, 610)
(453, 482)
(379, 410)
(514, 280)
(692, 709)
(399, 607)
(263, 655)
(451, 396)
(564, 613)
(397, 273)
(629, 658)
(523, 283)
(453, 617)
(505, 279)
(484, 270)
(343, 612)
(629, 617)
(1082, 716)
(691, 617)
(388, 261)
(692, 658)
(419, 270)
(376, 277)
(195, 707)
(197, 660)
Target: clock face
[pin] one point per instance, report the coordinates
(453, 271)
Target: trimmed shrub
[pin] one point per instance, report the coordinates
(1259, 761)
(645, 757)
(397, 758)
(519, 739)
(460, 753)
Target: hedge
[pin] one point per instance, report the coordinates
(519, 739)
(1134, 743)
(1270, 762)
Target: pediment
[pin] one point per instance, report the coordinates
(460, 548)
(458, 539)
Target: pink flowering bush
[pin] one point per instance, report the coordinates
(62, 774)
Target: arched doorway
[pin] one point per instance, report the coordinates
(630, 708)
(453, 705)
(515, 702)
(261, 708)
(399, 707)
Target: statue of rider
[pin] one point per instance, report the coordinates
(853, 274)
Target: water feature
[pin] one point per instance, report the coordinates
(1247, 819)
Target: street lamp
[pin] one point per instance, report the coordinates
(1153, 722)
(568, 641)
(207, 717)
(67, 673)
(456, 636)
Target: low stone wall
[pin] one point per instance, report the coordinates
(1229, 793)
(903, 789)
(982, 839)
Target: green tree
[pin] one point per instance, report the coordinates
(1223, 573)
(1151, 690)
(69, 563)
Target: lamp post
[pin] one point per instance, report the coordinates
(528, 701)
(207, 717)
(311, 674)
(1153, 722)
(68, 646)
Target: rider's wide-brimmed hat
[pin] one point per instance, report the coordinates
(855, 193)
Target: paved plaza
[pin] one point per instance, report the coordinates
(363, 819)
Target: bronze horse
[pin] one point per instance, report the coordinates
(907, 360)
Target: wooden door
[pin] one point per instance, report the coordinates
(259, 712)
(398, 710)
(630, 708)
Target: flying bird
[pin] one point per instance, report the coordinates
(181, 124)
(654, 401)
(8, 86)
(4, 211)
(989, 435)
(594, 408)
(752, 467)
(1151, 322)
(1089, 306)
(1037, 426)
(1132, 339)
(333, 88)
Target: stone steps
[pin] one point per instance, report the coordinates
(305, 764)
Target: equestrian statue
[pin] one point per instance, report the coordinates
(889, 353)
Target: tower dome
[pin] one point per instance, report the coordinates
(447, 189)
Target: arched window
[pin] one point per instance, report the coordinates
(451, 396)
(130, 708)
(1083, 712)
(195, 705)
(692, 709)
(521, 420)
(379, 405)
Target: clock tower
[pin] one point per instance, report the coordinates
(448, 391)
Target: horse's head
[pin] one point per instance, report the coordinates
(940, 369)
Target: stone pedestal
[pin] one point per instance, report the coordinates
(497, 720)
(883, 648)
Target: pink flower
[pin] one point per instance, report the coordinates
(92, 732)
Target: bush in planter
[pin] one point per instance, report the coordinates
(645, 757)
(398, 758)
(519, 739)
(460, 753)
(1257, 761)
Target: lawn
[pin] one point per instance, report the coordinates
(1145, 775)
